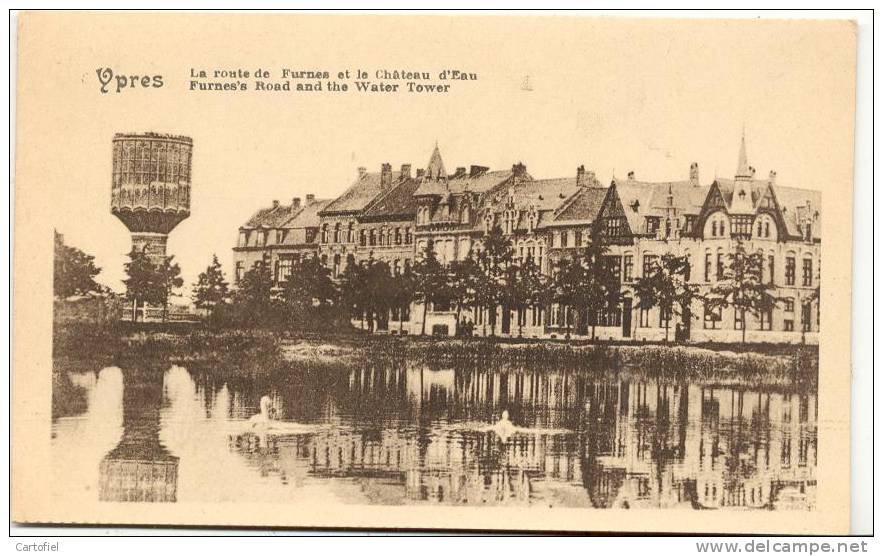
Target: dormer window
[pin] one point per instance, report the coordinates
(635, 205)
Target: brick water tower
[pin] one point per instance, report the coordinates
(150, 192)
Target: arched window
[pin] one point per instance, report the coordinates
(350, 233)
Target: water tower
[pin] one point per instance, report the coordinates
(150, 192)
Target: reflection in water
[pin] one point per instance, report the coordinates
(410, 435)
(139, 468)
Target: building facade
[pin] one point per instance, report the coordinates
(393, 216)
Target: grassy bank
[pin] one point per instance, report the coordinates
(265, 350)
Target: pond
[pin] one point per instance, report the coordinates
(406, 433)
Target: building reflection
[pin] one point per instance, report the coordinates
(139, 468)
(410, 434)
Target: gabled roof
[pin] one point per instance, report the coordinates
(360, 194)
(271, 217)
(478, 183)
(308, 217)
(398, 202)
(581, 208)
(288, 216)
(797, 204)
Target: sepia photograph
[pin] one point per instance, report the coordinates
(433, 272)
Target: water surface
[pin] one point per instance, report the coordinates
(403, 433)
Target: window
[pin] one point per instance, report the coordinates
(719, 272)
(771, 260)
(362, 238)
(284, 269)
(806, 316)
(649, 265)
(350, 233)
(564, 237)
(652, 224)
(628, 265)
(243, 239)
(612, 227)
(789, 304)
(766, 320)
(536, 316)
(644, 317)
(337, 233)
(664, 316)
(613, 263)
(407, 236)
(789, 325)
(398, 236)
(807, 271)
(240, 270)
(324, 233)
(708, 266)
(738, 321)
(372, 237)
(790, 270)
(688, 267)
(712, 316)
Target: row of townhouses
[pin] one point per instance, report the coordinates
(392, 215)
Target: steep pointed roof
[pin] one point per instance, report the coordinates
(742, 168)
(435, 169)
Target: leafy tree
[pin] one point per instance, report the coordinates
(567, 285)
(403, 292)
(253, 299)
(493, 260)
(380, 295)
(143, 282)
(430, 279)
(666, 287)
(463, 276)
(211, 289)
(525, 287)
(600, 285)
(74, 270)
(742, 286)
(168, 280)
(308, 292)
(354, 290)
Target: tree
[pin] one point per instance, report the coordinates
(253, 299)
(308, 292)
(666, 287)
(600, 284)
(493, 260)
(353, 289)
(379, 294)
(429, 281)
(211, 289)
(143, 283)
(74, 270)
(525, 287)
(403, 292)
(168, 280)
(742, 286)
(463, 278)
(566, 286)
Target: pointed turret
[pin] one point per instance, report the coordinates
(436, 168)
(743, 170)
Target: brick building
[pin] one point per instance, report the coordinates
(394, 215)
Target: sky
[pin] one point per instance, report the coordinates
(618, 95)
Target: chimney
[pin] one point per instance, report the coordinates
(420, 172)
(475, 171)
(581, 176)
(518, 169)
(773, 177)
(631, 175)
(406, 171)
(694, 173)
(310, 198)
(275, 203)
(460, 172)
(295, 203)
(385, 175)
(362, 172)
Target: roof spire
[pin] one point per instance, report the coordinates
(436, 167)
(742, 170)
